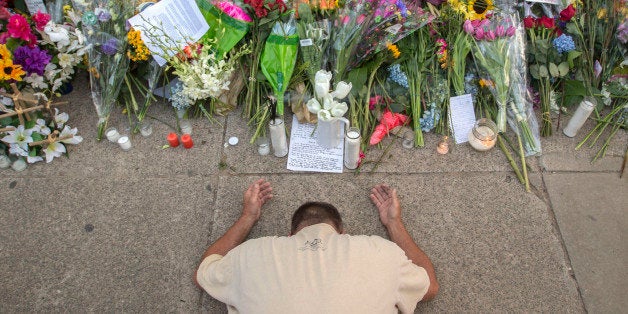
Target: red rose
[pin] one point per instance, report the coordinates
(567, 13)
(546, 22)
(529, 22)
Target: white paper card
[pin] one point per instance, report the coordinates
(462, 117)
(306, 155)
(35, 5)
(177, 21)
(545, 1)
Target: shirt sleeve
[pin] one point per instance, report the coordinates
(216, 276)
(413, 285)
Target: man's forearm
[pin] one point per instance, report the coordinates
(232, 238)
(398, 234)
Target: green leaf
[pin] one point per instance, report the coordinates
(572, 55)
(563, 69)
(37, 137)
(534, 71)
(553, 69)
(575, 88)
(29, 124)
(543, 72)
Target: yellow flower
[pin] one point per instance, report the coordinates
(478, 9)
(394, 50)
(138, 50)
(601, 13)
(485, 83)
(5, 54)
(10, 71)
(67, 8)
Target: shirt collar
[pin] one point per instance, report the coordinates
(318, 229)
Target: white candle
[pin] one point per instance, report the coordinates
(278, 137)
(19, 165)
(579, 117)
(483, 136)
(124, 142)
(262, 146)
(112, 135)
(146, 129)
(5, 162)
(352, 148)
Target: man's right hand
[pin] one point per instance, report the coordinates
(254, 197)
(387, 203)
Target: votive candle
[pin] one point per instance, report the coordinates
(262, 146)
(352, 148)
(278, 137)
(124, 142)
(19, 165)
(483, 136)
(112, 135)
(173, 139)
(186, 139)
(5, 161)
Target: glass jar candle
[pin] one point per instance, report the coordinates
(5, 161)
(483, 135)
(443, 146)
(278, 137)
(352, 148)
(146, 128)
(19, 165)
(263, 146)
(112, 134)
(124, 142)
(408, 140)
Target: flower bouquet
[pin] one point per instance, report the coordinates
(104, 24)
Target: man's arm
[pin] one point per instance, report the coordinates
(255, 196)
(387, 203)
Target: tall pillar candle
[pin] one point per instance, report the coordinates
(278, 137)
(352, 148)
(580, 116)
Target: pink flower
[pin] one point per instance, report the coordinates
(475, 23)
(468, 27)
(345, 20)
(500, 31)
(40, 19)
(510, 31)
(479, 34)
(18, 27)
(597, 68)
(490, 35)
(361, 19)
(374, 101)
(483, 23)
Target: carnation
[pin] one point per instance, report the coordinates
(32, 60)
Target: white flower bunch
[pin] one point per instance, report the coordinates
(70, 49)
(203, 75)
(19, 137)
(326, 105)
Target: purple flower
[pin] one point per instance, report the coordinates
(110, 47)
(500, 31)
(510, 31)
(479, 34)
(597, 68)
(468, 27)
(490, 35)
(32, 60)
(622, 32)
(104, 16)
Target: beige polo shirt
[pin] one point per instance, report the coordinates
(315, 271)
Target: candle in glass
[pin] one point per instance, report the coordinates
(112, 135)
(443, 146)
(186, 139)
(5, 161)
(483, 135)
(278, 137)
(19, 165)
(352, 148)
(262, 146)
(124, 142)
(146, 129)
(173, 139)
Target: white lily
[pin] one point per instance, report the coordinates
(41, 127)
(54, 149)
(61, 118)
(342, 90)
(16, 150)
(19, 136)
(75, 139)
(33, 159)
(322, 81)
(313, 106)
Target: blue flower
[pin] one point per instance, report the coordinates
(564, 43)
(179, 101)
(430, 118)
(396, 75)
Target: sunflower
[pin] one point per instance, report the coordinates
(478, 9)
(10, 71)
(5, 54)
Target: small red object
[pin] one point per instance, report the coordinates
(173, 139)
(186, 139)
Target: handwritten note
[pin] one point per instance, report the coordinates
(306, 155)
(168, 26)
(462, 117)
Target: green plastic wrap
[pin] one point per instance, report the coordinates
(224, 31)
(279, 57)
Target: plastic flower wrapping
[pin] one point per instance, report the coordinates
(104, 24)
(228, 23)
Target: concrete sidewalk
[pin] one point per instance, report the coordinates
(112, 231)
